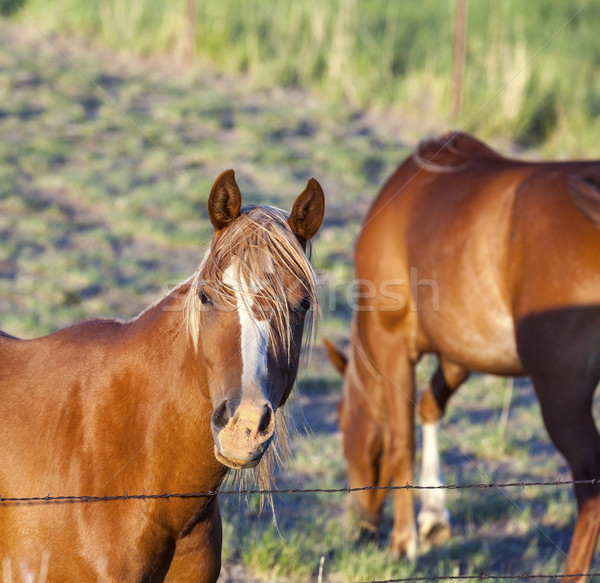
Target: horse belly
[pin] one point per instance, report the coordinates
(478, 342)
(466, 316)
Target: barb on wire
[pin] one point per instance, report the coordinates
(248, 492)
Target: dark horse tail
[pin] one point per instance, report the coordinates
(5, 335)
(451, 152)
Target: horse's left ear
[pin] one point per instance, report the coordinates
(307, 213)
(225, 200)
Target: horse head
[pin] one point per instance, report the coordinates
(246, 311)
(359, 420)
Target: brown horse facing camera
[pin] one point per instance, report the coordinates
(494, 265)
(165, 402)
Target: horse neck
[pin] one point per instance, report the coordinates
(179, 406)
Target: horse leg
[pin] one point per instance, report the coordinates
(399, 390)
(197, 557)
(433, 518)
(559, 350)
(584, 539)
(571, 427)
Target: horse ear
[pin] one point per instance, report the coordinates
(225, 200)
(307, 213)
(335, 356)
(585, 193)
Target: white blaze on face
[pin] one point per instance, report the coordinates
(254, 340)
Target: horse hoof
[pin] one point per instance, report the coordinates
(366, 537)
(434, 528)
(438, 535)
(394, 554)
(405, 548)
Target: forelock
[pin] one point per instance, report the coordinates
(263, 255)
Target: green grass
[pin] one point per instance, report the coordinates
(527, 71)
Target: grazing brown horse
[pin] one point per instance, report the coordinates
(167, 401)
(494, 265)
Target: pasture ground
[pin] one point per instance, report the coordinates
(106, 160)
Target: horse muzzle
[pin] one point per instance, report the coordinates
(242, 435)
(235, 463)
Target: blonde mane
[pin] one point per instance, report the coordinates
(263, 249)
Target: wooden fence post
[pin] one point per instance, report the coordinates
(460, 41)
(190, 30)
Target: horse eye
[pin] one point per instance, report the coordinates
(204, 299)
(303, 306)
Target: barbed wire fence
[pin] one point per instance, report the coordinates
(79, 499)
(249, 492)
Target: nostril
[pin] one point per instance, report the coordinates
(265, 422)
(220, 415)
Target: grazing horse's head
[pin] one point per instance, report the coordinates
(246, 310)
(360, 425)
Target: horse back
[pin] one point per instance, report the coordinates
(474, 241)
(455, 203)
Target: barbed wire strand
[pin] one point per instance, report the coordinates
(249, 492)
(483, 577)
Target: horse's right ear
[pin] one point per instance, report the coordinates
(335, 356)
(585, 193)
(225, 201)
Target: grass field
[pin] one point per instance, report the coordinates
(106, 159)
(529, 67)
